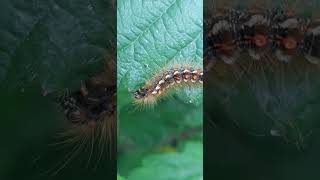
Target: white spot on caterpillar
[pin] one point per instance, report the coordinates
(186, 71)
(161, 81)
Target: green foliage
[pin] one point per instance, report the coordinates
(185, 165)
(52, 44)
(119, 177)
(46, 46)
(152, 35)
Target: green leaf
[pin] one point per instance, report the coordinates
(185, 165)
(152, 34)
(52, 44)
(119, 177)
(46, 46)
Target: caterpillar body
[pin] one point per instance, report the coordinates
(231, 32)
(177, 75)
(90, 116)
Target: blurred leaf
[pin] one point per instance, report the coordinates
(185, 165)
(46, 46)
(119, 177)
(52, 43)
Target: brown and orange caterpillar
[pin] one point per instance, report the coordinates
(90, 116)
(275, 32)
(174, 76)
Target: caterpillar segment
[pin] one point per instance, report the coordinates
(174, 77)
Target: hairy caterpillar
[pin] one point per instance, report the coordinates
(160, 83)
(269, 56)
(90, 115)
(231, 32)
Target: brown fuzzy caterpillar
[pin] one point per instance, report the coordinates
(231, 33)
(268, 55)
(177, 75)
(90, 116)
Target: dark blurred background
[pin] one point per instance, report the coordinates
(265, 125)
(47, 48)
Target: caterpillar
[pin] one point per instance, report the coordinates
(268, 57)
(90, 116)
(231, 32)
(175, 76)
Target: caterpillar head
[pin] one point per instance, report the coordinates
(141, 93)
